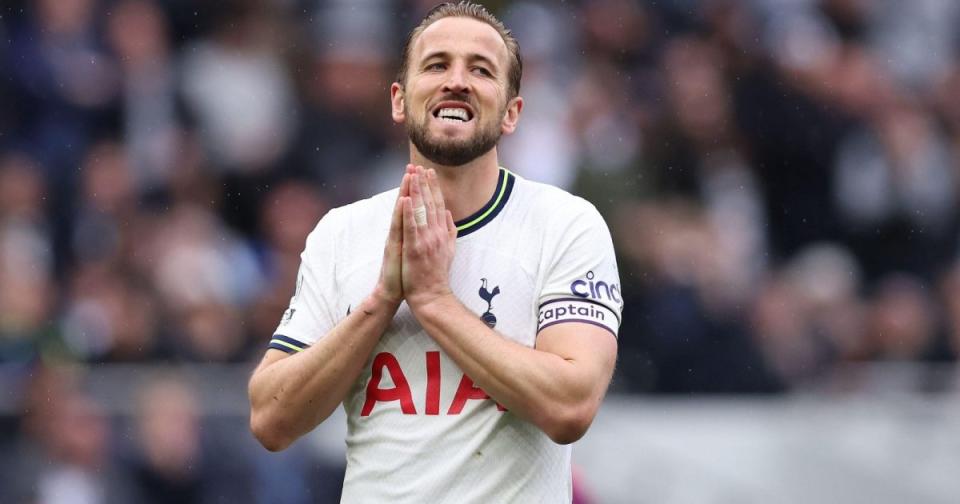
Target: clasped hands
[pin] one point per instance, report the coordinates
(420, 244)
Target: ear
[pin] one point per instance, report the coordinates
(396, 103)
(512, 116)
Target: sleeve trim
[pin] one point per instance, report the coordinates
(283, 347)
(582, 300)
(582, 321)
(286, 343)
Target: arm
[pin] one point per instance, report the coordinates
(292, 394)
(557, 386)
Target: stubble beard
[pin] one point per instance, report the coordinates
(453, 152)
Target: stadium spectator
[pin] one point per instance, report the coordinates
(64, 456)
(27, 299)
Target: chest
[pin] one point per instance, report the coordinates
(497, 283)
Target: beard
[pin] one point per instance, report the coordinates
(453, 152)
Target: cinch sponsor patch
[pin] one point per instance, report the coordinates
(594, 288)
(586, 311)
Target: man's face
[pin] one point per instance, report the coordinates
(455, 98)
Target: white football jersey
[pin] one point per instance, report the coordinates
(419, 430)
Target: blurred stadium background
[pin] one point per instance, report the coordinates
(781, 178)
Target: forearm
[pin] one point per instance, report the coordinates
(544, 388)
(291, 396)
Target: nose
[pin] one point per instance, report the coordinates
(456, 80)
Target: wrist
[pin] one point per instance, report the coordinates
(431, 304)
(382, 300)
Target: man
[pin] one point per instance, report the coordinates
(483, 337)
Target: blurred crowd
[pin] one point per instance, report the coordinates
(782, 179)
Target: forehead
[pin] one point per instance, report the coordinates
(461, 36)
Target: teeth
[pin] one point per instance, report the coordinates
(453, 113)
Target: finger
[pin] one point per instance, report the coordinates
(437, 193)
(405, 182)
(428, 200)
(404, 186)
(416, 195)
(451, 226)
(409, 224)
(419, 210)
(396, 225)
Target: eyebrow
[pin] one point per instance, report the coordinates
(471, 58)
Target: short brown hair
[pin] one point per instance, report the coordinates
(474, 11)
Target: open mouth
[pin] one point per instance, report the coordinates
(454, 112)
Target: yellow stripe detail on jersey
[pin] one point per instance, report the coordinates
(288, 345)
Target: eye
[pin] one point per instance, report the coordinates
(436, 66)
(482, 71)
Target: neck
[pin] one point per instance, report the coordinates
(466, 188)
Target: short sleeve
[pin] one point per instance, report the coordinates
(582, 283)
(310, 314)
